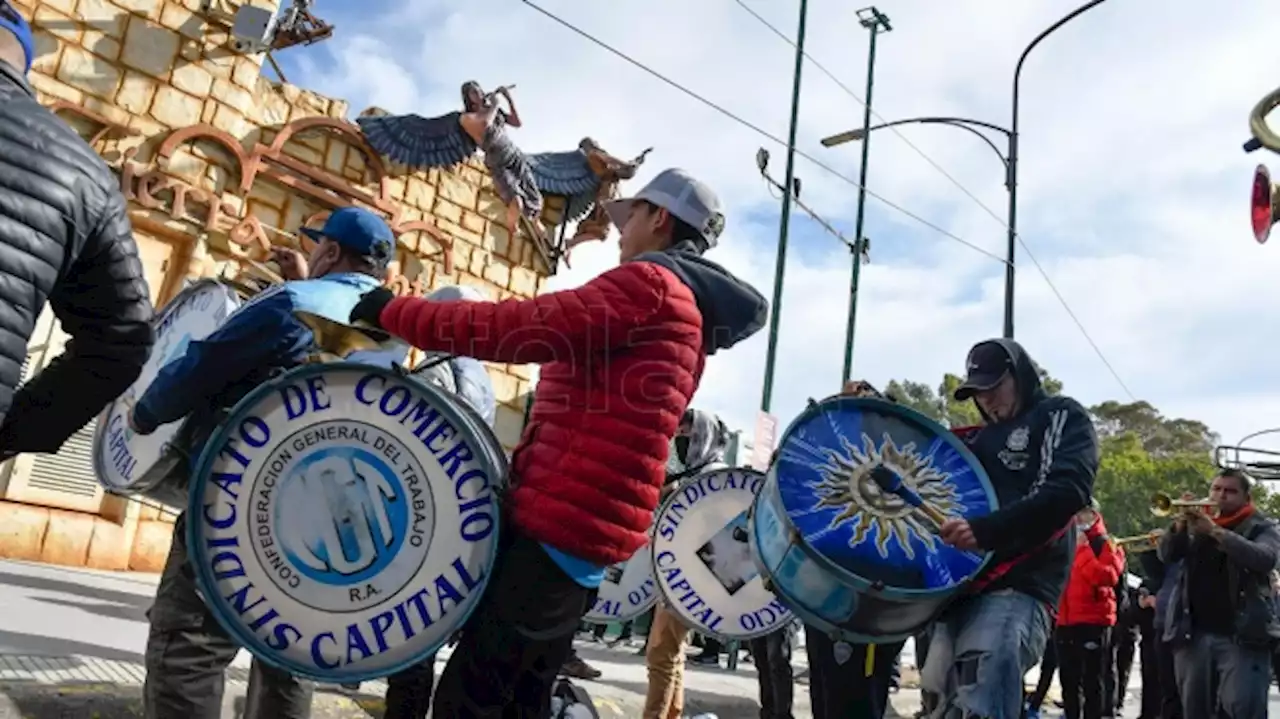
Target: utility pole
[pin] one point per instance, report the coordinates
(877, 22)
(780, 265)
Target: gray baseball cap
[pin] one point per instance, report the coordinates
(679, 193)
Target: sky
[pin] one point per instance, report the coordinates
(1133, 185)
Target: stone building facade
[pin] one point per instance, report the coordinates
(218, 164)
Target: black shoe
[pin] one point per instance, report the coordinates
(706, 660)
(577, 669)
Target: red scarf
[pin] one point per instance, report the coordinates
(1227, 521)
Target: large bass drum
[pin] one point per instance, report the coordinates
(846, 528)
(702, 557)
(156, 465)
(343, 520)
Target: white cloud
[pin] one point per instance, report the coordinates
(1133, 182)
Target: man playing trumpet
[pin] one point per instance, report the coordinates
(1221, 619)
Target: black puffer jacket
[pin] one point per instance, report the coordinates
(64, 239)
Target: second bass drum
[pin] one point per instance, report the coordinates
(846, 527)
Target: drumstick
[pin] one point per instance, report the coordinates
(890, 483)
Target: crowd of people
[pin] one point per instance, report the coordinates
(621, 360)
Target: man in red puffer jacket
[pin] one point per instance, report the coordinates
(621, 358)
(1085, 618)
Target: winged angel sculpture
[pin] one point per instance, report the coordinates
(586, 177)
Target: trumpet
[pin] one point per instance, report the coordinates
(1162, 505)
(1146, 542)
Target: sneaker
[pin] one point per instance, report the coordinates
(706, 660)
(578, 669)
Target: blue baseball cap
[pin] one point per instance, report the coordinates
(356, 229)
(13, 22)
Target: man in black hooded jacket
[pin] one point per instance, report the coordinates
(1041, 454)
(65, 239)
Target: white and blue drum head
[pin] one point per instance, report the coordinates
(702, 557)
(628, 590)
(343, 521)
(121, 459)
(846, 527)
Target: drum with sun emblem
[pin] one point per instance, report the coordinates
(846, 525)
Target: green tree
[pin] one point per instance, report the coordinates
(1159, 435)
(957, 413)
(1129, 475)
(918, 396)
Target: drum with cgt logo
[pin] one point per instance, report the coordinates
(343, 521)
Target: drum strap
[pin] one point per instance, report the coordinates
(1006, 566)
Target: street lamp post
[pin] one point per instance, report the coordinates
(877, 22)
(1009, 157)
(780, 264)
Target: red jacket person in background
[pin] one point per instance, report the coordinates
(1086, 615)
(621, 358)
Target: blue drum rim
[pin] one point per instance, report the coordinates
(450, 410)
(106, 412)
(855, 581)
(794, 604)
(754, 555)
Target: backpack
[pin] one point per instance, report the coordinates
(569, 701)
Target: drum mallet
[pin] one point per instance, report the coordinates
(891, 483)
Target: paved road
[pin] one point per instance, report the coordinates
(71, 645)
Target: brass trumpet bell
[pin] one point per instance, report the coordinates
(337, 340)
(1264, 205)
(1162, 505)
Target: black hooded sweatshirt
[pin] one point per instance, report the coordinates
(1042, 465)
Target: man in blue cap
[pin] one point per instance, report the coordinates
(17, 45)
(187, 650)
(66, 240)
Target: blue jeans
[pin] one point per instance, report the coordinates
(980, 650)
(1241, 676)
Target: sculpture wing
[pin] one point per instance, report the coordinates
(569, 175)
(419, 142)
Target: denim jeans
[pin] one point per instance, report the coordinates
(1240, 674)
(980, 650)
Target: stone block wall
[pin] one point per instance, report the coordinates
(219, 163)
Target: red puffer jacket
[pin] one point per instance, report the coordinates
(622, 356)
(1090, 596)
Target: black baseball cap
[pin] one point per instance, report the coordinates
(987, 364)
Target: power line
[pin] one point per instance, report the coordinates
(832, 171)
(1031, 256)
(759, 130)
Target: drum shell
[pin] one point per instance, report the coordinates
(844, 604)
(167, 479)
(455, 411)
(857, 611)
